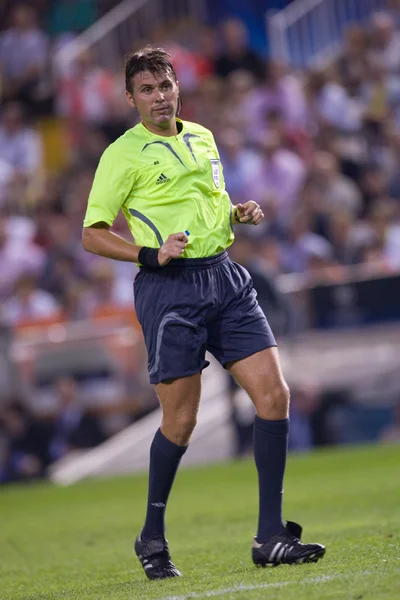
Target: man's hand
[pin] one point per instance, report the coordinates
(249, 213)
(173, 247)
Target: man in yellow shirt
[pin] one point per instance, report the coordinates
(165, 175)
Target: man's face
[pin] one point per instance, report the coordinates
(155, 97)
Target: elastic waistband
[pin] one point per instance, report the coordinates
(193, 263)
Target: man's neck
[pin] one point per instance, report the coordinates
(169, 131)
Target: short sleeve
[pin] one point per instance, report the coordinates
(112, 184)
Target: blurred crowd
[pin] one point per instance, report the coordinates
(31, 444)
(318, 149)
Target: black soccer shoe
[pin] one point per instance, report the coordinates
(155, 559)
(286, 548)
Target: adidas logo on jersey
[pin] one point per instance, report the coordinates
(162, 179)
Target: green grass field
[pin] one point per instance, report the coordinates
(77, 542)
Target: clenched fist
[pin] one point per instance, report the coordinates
(249, 213)
(173, 247)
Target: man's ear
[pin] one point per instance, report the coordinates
(129, 99)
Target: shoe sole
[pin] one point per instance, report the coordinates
(164, 576)
(168, 573)
(312, 558)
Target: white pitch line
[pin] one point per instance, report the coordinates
(261, 586)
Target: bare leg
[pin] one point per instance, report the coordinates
(260, 375)
(179, 399)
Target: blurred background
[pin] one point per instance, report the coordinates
(303, 98)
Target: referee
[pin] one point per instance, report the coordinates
(165, 175)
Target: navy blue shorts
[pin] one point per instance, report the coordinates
(193, 305)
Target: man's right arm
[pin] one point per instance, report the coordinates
(98, 239)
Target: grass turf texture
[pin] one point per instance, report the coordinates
(77, 542)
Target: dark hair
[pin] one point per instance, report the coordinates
(155, 60)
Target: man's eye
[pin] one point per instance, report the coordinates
(166, 86)
(147, 90)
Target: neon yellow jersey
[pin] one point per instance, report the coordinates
(165, 185)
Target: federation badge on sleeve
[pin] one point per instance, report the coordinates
(215, 170)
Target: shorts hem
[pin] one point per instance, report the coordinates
(154, 379)
(246, 355)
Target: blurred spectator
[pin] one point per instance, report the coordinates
(75, 193)
(333, 189)
(233, 111)
(86, 93)
(27, 444)
(18, 253)
(372, 260)
(385, 41)
(63, 268)
(353, 60)
(20, 145)
(106, 292)
(334, 103)
(390, 170)
(238, 162)
(204, 104)
(279, 173)
(74, 428)
(207, 50)
(380, 93)
(393, 9)
(386, 232)
(293, 137)
(190, 67)
(6, 178)
(302, 245)
(62, 273)
(373, 183)
(23, 55)
(341, 234)
(236, 53)
(30, 303)
(279, 91)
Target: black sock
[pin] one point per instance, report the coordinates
(270, 449)
(165, 457)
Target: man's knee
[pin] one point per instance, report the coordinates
(274, 403)
(179, 427)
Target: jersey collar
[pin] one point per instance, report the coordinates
(162, 137)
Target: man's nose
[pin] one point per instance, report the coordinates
(160, 95)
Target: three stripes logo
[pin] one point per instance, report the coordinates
(162, 179)
(278, 552)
